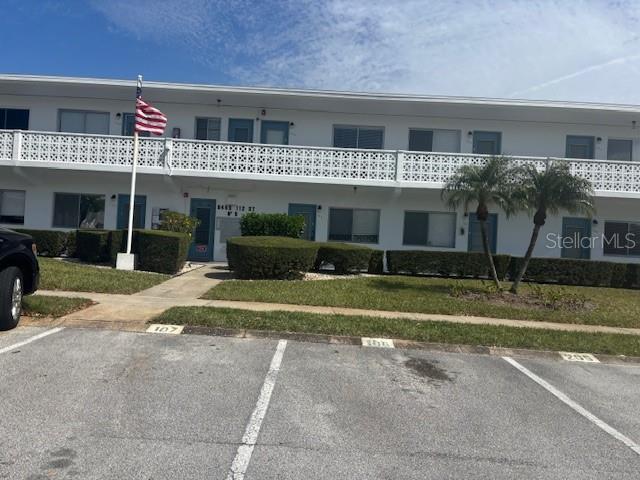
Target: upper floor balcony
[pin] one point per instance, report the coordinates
(289, 163)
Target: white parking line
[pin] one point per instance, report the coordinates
(579, 409)
(245, 450)
(31, 339)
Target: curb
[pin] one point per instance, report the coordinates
(399, 344)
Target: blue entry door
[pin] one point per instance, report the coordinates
(139, 211)
(275, 133)
(309, 213)
(240, 130)
(576, 238)
(201, 248)
(475, 234)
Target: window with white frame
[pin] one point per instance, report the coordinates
(619, 149)
(207, 129)
(12, 206)
(78, 210)
(434, 140)
(429, 229)
(345, 136)
(622, 238)
(354, 225)
(83, 121)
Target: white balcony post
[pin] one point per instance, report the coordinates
(400, 157)
(168, 155)
(17, 147)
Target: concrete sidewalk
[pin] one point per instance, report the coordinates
(132, 312)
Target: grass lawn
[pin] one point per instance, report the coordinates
(439, 332)
(60, 275)
(613, 307)
(44, 306)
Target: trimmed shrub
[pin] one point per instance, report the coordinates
(270, 257)
(448, 264)
(376, 262)
(50, 243)
(93, 246)
(70, 244)
(271, 224)
(161, 251)
(99, 246)
(344, 257)
(568, 271)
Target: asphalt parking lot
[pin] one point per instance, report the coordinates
(100, 404)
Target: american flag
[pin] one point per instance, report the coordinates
(148, 118)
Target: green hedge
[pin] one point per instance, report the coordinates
(270, 257)
(161, 251)
(50, 243)
(157, 251)
(579, 272)
(449, 264)
(344, 257)
(376, 262)
(271, 224)
(93, 246)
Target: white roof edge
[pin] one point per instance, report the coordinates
(326, 93)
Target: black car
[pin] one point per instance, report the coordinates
(19, 274)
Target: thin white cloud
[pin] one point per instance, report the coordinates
(570, 49)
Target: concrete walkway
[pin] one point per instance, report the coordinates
(132, 312)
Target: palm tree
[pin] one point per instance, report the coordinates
(489, 184)
(549, 191)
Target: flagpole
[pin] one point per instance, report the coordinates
(126, 261)
(132, 195)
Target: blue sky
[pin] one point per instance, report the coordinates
(552, 49)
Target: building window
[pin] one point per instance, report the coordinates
(14, 119)
(129, 126)
(622, 238)
(487, 143)
(12, 206)
(82, 121)
(579, 146)
(240, 130)
(207, 129)
(78, 210)
(429, 229)
(354, 225)
(358, 137)
(618, 149)
(434, 140)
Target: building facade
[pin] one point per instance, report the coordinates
(365, 168)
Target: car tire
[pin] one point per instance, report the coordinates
(11, 292)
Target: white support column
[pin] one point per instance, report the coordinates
(168, 156)
(399, 165)
(17, 147)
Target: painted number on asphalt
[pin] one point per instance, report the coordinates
(377, 342)
(579, 357)
(170, 329)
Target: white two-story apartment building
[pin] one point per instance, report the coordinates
(364, 168)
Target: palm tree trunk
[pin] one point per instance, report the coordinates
(527, 257)
(487, 252)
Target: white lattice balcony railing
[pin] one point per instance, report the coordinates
(278, 162)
